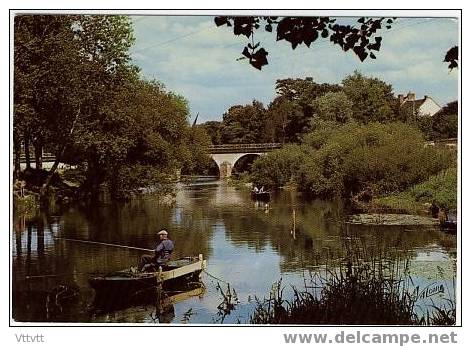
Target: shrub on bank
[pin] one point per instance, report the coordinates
(440, 189)
(279, 167)
(371, 159)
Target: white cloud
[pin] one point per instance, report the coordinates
(195, 58)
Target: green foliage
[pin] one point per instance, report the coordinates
(296, 102)
(441, 125)
(439, 189)
(198, 158)
(334, 106)
(140, 138)
(213, 129)
(302, 105)
(245, 124)
(372, 99)
(78, 94)
(278, 167)
(64, 66)
(285, 117)
(321, 132)
(378, 158)
(353, 159)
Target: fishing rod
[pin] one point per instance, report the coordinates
(106, 244)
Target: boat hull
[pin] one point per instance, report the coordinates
(261, 196)
(127, 288)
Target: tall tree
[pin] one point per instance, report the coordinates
(245, 124)
(299, 96)
(44, 61)
(64, 69)
(140, 138)
(372, 99)
(334, 106)
(287, 120)
(213, 129)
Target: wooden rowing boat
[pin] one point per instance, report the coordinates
(262, 196)
(128, 287)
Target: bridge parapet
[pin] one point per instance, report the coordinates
(243, 148)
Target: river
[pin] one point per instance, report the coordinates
(248, 245)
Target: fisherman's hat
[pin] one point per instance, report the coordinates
(162, 232)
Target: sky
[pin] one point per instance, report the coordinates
(194, 58)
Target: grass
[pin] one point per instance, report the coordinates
(439, 189)
(359, 292)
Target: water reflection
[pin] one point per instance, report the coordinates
(247, 243)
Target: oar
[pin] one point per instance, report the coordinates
(106, 244)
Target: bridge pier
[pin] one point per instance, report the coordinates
(227, 161)
(225, 170)
(226, 155)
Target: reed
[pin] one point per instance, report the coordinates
(360, 290)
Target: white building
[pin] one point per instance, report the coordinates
(424, 107)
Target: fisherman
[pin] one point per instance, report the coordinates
(255, 189)
(162, 253)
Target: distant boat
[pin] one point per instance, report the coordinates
(261, 196)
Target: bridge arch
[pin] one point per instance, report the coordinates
(227, 161)
(227, 155)
(244, 163)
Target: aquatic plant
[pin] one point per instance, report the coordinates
(359, 290)
(228, 303)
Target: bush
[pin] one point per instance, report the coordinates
(439, 190)
(378, 158)
(278, 167)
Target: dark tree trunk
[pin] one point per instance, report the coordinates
(59, 156)
(38, 154)
(27, 154)
(50, 175)
(17, 156)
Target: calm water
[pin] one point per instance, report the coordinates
(247, 244)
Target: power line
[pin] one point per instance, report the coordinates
(173, 39)
(314, 49)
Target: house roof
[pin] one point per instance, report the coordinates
(415, 103)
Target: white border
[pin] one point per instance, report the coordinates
(215, 335)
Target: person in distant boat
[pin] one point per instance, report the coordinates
(162, 254)
(255, 189)
(262, 189)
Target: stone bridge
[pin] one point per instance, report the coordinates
(227, 155)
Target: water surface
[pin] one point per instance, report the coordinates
(248, 244)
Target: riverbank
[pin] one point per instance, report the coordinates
(439, 191)
(360, 290)
(26, 189)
